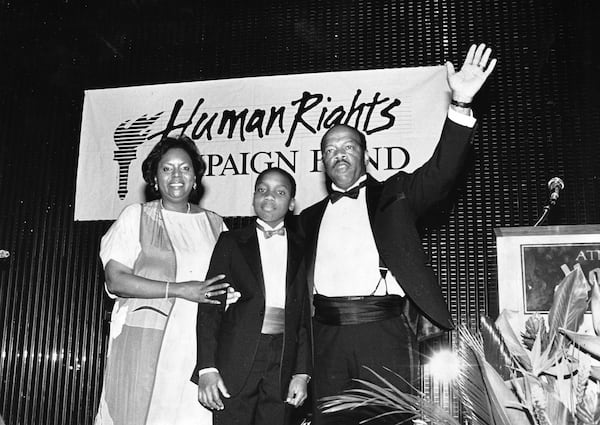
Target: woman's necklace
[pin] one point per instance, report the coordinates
(189, 207)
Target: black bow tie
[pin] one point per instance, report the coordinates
(335, 195)
(269, 233)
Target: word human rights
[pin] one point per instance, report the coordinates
(312, 112)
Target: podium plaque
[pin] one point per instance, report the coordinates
(533, 260)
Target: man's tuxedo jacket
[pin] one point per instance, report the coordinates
(394, 207)
(228, 340)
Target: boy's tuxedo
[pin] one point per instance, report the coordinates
(228, 339)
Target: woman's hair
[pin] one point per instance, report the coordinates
(150, 164)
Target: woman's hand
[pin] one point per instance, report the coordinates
(202, 291)
(121, 281)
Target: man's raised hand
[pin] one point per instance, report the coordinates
(475, 70)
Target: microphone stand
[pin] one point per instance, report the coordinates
(555, 185)
(545, 212)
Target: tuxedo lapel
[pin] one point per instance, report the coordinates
(374, 190)
(313, 223)
(382, 224)
(293, 258)
(250, 251)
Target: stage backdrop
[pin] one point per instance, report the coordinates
(243, 126)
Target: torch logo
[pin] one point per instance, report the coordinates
(128, 136)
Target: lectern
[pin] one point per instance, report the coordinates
(533, 260)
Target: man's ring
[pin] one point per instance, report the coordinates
(207, 295)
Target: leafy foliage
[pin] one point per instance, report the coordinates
(548, 378)
(388, 400)
(535, 328)
(495, 350)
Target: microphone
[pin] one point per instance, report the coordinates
(4, 253)
(555, 185)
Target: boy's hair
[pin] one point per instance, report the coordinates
(281, 172)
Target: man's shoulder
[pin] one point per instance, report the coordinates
(395, 179)
(314, 207)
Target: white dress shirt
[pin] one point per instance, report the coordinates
(347, 260)
(273, 256)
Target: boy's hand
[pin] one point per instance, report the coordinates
(209, 386)
(297, 390)
(232, 297)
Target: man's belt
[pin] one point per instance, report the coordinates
(356, 310)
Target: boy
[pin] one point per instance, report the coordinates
(254, 357)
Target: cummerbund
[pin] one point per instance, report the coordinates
(274, 321)
(356, 310)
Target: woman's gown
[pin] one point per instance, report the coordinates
(193, 240)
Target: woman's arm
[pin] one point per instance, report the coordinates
(121, 281)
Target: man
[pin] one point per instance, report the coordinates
(373, 290)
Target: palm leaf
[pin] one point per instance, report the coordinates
(495, 350)
(387, 400)
(512, 341)
(483, 393)
(569, 306)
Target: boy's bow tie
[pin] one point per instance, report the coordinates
(269, 233)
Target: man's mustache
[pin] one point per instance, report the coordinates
(337, 161)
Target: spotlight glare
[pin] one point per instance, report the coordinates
(444, 365)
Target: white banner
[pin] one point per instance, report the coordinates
(243, 126)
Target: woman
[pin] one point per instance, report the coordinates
(155, 256)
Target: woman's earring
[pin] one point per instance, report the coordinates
(156, 187)
(195, 186)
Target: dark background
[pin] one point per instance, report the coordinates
(539, 118)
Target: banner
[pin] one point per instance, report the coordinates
(243, 126)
